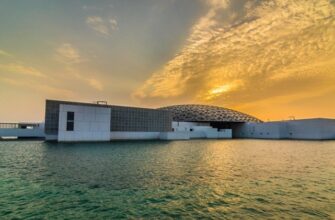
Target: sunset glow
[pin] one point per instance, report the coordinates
(272, 59)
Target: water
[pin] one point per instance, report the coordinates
(232, 179)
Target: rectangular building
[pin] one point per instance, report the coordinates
(304, 129)
(74, 121)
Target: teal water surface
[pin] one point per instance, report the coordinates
(202, 179)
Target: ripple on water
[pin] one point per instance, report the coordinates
(236, 179)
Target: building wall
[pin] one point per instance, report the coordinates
(222, 134)
(315, 129)
(91, 123)
(36, 132)
(200, 130)
(134, 135)
(51, 118)
(176, 135)
(149, 122)
(187, 126)
(132, 119)
(269, 130)
(308, 129)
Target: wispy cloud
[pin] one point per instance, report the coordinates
(88, 79)
(94, 83)
(103, 27)
(5, 54)
(217, 4)
(66, 53)
(38, 86)
(69, 55)
(20, 69)
(240, 56)
(113, 24)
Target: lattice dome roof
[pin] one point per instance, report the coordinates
(206, 113)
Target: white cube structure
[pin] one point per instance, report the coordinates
(90, 123)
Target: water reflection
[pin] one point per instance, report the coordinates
(194, 179)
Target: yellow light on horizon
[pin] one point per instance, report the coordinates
(220, 89)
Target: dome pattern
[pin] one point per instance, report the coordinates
(206, 113)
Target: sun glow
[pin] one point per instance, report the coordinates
(220, 89)
(217, 91)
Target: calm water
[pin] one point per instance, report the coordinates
(237, 179)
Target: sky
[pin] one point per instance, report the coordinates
(273, 59)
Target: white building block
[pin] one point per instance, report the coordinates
(91, 123)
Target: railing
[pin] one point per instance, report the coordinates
(9, 125)
(19, 125)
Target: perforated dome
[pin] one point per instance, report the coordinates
(207, 113)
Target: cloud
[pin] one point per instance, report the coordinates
(103, 27)
(20, 69)
(243, 51)
(94, 83)
(217, 4)
(66, 53)
(113, 24)
(89, 80)
(5, 54)
(69, 55)
(37, 86)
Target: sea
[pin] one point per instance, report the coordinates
(196, 179)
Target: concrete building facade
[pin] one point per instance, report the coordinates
(201, 130)
(305, 129)
(73, 121)
(21, 130)
(83, 123)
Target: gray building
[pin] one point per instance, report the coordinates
(304, 129)
(74, 121)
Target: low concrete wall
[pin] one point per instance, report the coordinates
(187, 126)
(307, 129)
(313, 129)
(269, 130)
(24, 133)
(197, 135)
(120, 135)
(51, 137)
(224, 134)
(179, 135)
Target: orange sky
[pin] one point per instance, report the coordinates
(272, 59)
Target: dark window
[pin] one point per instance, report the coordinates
(70, 121)
(69, 126)
(70, 116)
